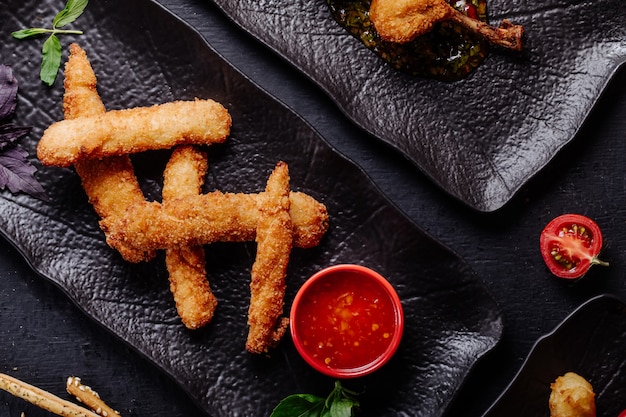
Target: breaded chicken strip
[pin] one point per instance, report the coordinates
(110, 183)
(207, 218)
(128, 131)
(195, 302)
(274, 242)
(81, 97)
(572, 396)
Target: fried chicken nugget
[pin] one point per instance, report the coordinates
(110, 183)
(207, 218)
(119, 132)
(572, 396)
(274, 243)
(195, 302)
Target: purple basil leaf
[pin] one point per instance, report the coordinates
(8, 92)
(16, 173)
(10, 133)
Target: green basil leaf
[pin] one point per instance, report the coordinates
(50, 60)
(29, 33)
(299, 405)
(342, 407)
(73, 9)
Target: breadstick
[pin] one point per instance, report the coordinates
(43, 399)
(119, 132)
(195, 302)
(89, 397)
(110, 183)
(207, 218)
(267, 287)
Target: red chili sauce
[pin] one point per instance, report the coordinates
(347, 322)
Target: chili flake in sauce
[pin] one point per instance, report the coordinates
(349, 322)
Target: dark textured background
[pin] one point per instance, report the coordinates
(501, 247)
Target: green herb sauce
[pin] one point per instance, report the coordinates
(449, 52)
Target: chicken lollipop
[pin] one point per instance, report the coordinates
(402, 21)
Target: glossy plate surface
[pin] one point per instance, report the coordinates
(589, 342)
(481, 138)
(451, 320)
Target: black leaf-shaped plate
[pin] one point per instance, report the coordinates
(451, 320)
(589, 342)
(482, 138)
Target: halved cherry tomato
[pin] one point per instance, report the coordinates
(570, 244)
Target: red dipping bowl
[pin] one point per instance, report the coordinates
(346, 321)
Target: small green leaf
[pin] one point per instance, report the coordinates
(340, 403)
(73, 9)
(342, 408)
(299, 405)
(50, 60)
(29, 33)
(51, 50)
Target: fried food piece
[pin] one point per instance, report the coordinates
(89, 397)
(402, 21)
(110, 183)
(572, 396)
(81, 97)
(119, 132)
(274, 242)
(186, 265)
(207, 218)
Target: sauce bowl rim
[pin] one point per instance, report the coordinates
(396, 337)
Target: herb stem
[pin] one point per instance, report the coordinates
(51, 49)
(67, 32)
(55, 31)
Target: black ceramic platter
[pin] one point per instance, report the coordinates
(451, 320)
(482, 138)
(589, 342)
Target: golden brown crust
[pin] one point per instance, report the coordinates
(572, 396)
(81, 97)
(110, 183)
(195, 302)
(267, 286)
(207, 218)
(98, 143)
(128, 131)
(184, 173)
(402, 21)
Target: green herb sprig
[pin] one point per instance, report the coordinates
(51, 51)
(340, 403)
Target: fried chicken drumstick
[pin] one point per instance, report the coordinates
(402, 21)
